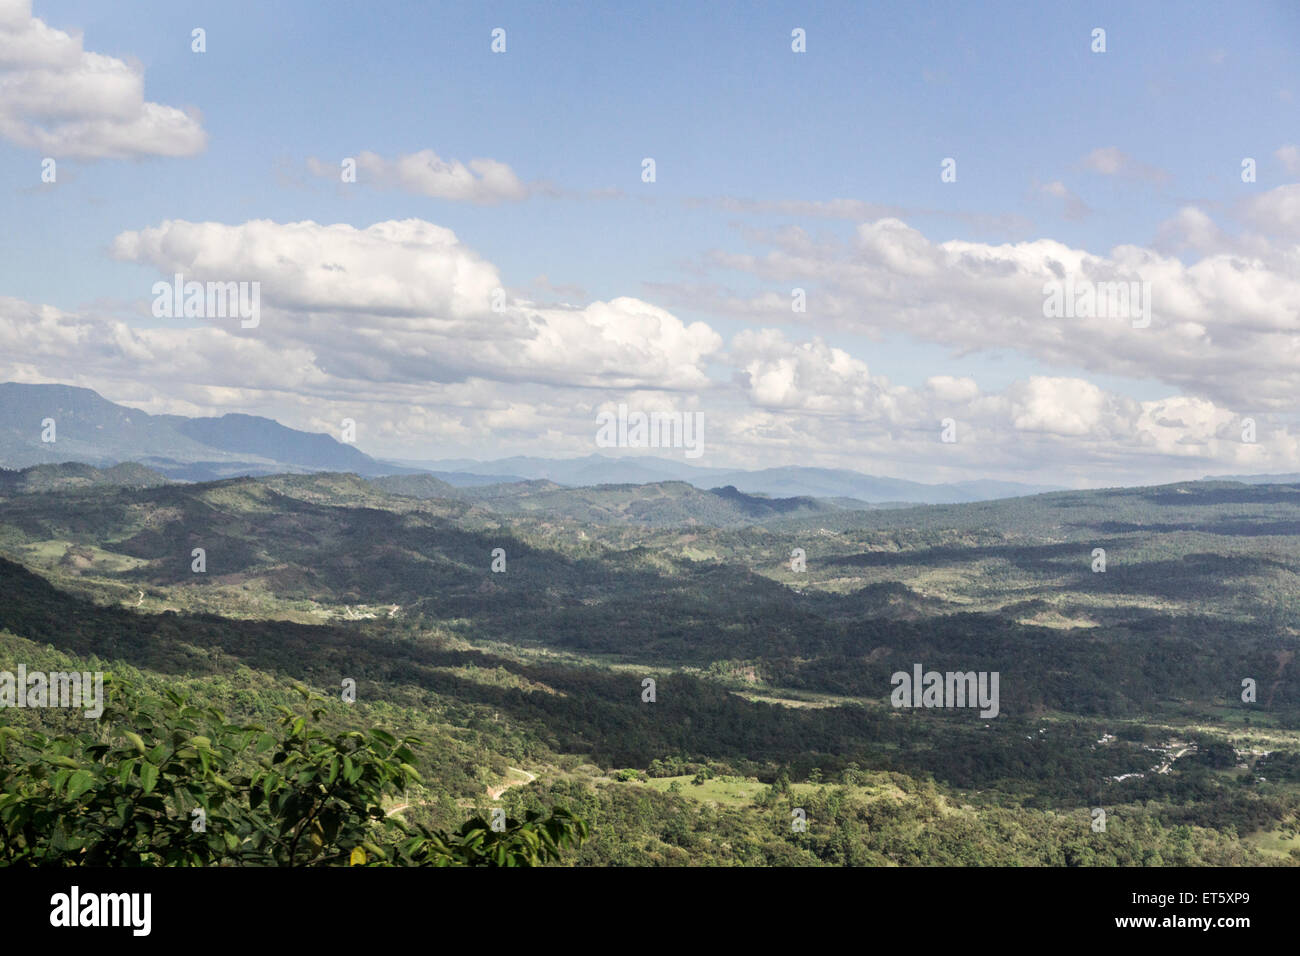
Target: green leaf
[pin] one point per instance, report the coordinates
(124, 771)
(148, 776)
(79, 783)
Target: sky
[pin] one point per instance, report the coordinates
(503, 269)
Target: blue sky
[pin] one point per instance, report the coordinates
(1128, 139)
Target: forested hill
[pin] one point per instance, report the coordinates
(516, 638)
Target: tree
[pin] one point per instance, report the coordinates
(158, 782)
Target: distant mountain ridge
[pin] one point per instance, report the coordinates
(89, 428)
(1284, 479)
(652, 504)
(93, 430)
(789, 481)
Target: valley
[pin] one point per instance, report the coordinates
(1119, 690)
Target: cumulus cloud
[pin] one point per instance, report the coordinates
(949, 389)
(1276, 212)
(63, 100)
(53, 343)
(802, 402)
(424, 173)
(1191, 228)
(810, 376)
(396, 268)
(407, 301)
(826, 404)
(1061, 406)
(1225, 327)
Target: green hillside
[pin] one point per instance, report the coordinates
(1119, 690)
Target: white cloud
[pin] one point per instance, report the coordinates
(1225, 327)
(59, 98)
(792, 403)
(948, 389)
(407, 302)
(810, 376)
(426, 174)
(1059, 406)
(1191, 228)
(396, 268)
(1276, 212)
(822, 404)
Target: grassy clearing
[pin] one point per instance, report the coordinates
(1281, 844)
(55, 552)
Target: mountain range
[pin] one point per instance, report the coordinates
(49, 424)
(85, 427)
(786, 481)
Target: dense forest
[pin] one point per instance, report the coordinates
(695, 678)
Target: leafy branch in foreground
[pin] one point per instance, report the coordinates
(159, 782)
